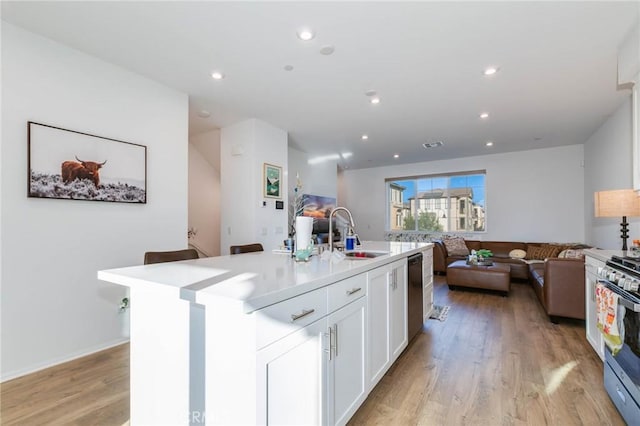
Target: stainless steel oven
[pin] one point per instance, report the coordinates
(622, 366)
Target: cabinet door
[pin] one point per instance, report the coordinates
(398, 309)
(291, 384)
(591, 279)
(378, 350)
(346, 374)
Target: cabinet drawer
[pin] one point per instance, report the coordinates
(281, 319)
(346, 291)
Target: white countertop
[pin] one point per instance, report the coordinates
(604, 255)
(254, 280)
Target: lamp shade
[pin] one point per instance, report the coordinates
(617, 203)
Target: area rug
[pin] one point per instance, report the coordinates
(439, 312)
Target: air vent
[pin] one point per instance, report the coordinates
(432, 144)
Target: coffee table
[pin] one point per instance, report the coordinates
(495, 277)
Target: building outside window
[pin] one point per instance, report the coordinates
(437, 203)
(396, 206)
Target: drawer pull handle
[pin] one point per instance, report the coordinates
(304, 313)
(353, 290)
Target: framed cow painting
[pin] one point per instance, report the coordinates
(71, 165)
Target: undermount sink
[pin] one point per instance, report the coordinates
(364, 254)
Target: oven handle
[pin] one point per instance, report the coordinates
(635, 307)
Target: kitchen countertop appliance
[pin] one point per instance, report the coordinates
(622, 369)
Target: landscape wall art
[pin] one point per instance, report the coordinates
(71, 165)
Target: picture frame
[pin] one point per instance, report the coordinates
(271, 181)
(71, 165)
(317, 206)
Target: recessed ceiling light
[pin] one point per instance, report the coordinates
(204, 113)
(370, 93)
(288, 67)
(489, 143)
(375, 100)
(365, 137)
(490, 70)
(396, 155)
(327, 50)
(305, 34)
(217, 75)
(484, 115)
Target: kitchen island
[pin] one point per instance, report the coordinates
(258, 338)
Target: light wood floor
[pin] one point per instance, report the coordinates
(494, 361)
(93, 390)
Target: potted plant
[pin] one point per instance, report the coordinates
(484, 254)
(480, 257)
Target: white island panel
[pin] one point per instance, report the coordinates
(206, 318)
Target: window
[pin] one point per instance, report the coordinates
(437, 203)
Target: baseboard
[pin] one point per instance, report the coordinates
(61, 360)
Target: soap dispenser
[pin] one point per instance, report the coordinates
(350, 241)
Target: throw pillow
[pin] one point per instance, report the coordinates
(542, 252)
(456, 247)
(517, 254)
(572, 254)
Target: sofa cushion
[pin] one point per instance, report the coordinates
(542, 252)
(501, 248)
(456, 246)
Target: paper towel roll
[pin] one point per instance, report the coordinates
(304, 226)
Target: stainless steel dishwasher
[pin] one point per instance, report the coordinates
(414, 295)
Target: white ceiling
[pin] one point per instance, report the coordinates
(556, 85)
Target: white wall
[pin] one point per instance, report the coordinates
(204, 191)
(244, 148)
(533, 195)
(317, 179)
(53, 307)
(608, 165)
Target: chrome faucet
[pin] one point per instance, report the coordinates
(333, 212)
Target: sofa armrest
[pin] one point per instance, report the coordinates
(564, 290)
(439, 256)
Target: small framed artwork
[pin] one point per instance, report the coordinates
(71, 165)
(272, 181)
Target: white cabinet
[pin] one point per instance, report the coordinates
(378, 342)
(427, 284)
(346, 381)
(398, 309)
(290, 378)
(591, 279)
(387, 318)
(317, 374)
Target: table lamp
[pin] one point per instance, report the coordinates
(616, 203)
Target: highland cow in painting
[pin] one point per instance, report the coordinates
(69, 165)
(72, 170)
